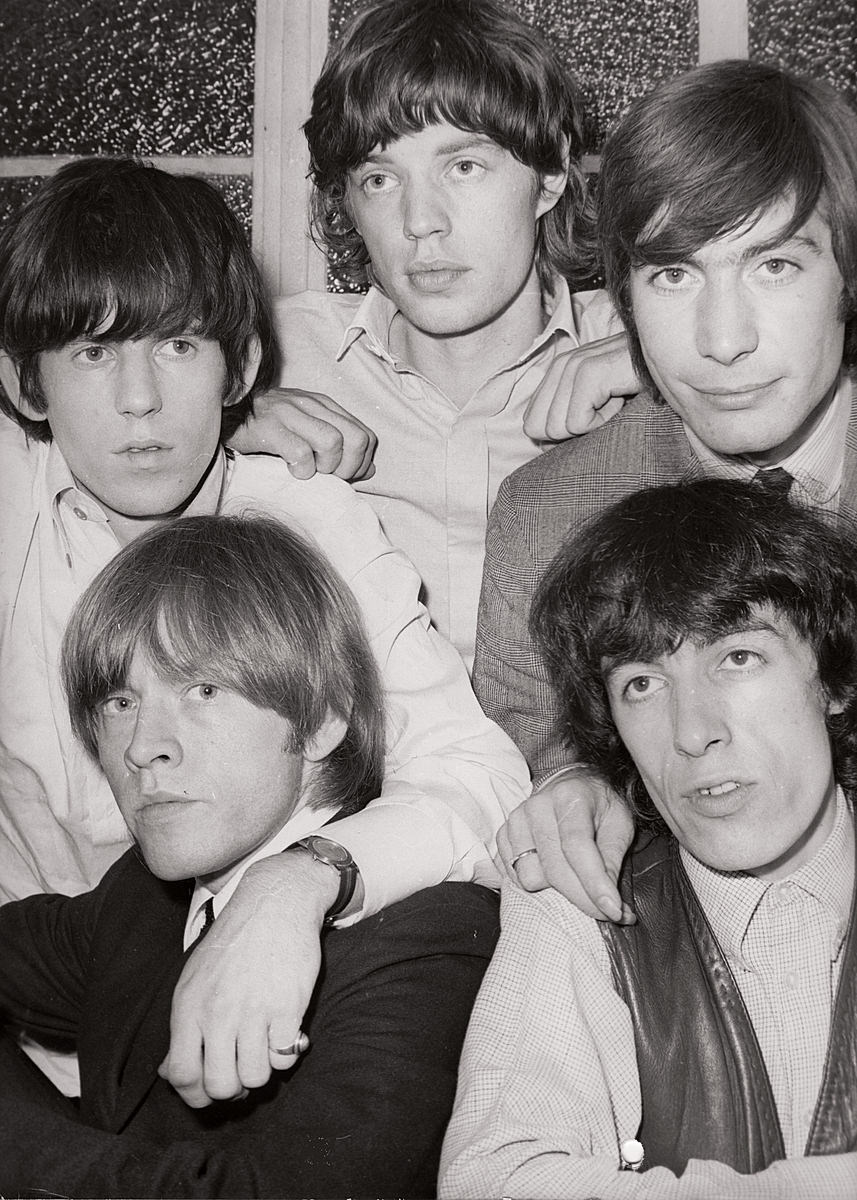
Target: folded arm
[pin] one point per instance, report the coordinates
(362, 1114)
(451, 779)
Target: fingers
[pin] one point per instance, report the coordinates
(283, 1053)
(311, 432)
(581, 390)
(579, 833)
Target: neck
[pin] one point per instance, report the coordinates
(459, 363)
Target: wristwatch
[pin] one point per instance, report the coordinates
(326, 851)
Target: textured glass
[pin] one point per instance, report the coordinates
(141, 77)
(813, 37)
(235, 189)
(617, 49)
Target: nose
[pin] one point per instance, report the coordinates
(424, 211)
(138, 391)
(698, 722)
(725, 322)
(153, 740)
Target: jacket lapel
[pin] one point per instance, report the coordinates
(138, 960)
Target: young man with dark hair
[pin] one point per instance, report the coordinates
(702, 639)
(133, 327)
(444, 144)
(728, 227)
(218, 671)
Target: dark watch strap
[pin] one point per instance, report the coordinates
(341, 862)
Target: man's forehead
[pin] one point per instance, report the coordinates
(434, 140)
(762, 620)
(767, 229)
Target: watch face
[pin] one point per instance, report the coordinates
(332, 851)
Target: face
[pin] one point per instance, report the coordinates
(201, 775)
(449, 219)
(745, 343)
(731, 744)
(138, 422)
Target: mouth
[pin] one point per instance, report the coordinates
(435, 277)
(720, 789)
(736, 396)
(145, 455)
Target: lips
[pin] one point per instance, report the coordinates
(435, 276)
(735, 396)
(720, 789)
(142, 446)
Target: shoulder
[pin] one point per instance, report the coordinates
(549, 496)
(447, 919)
(321, 506)
(319, 316)
(614, 448)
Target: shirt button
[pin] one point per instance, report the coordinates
(80, 514)
(791, 981)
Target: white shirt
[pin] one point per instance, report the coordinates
(438, 466)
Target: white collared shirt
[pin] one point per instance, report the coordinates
(438, 465)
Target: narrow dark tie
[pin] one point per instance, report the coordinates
(776, 481)
(208, 916)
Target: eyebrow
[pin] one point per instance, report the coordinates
(477, 141)
(753, 624)
(798, 241)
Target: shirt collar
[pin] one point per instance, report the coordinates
(731, 898)
(816, 465)
(306, 820)
(375, 316)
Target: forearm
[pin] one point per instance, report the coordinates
(557, 1175)
(452, 777)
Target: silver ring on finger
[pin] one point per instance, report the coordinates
(523, 854)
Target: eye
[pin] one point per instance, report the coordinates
(641, 686)
(741, 658)
(467, 168)
(178, 348)
(671, 277)
(94, 353)
(376, 183)
(779, 269)
(116, 706)
(205, 691)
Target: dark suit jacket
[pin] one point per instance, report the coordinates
(362, 1114)
(537, 508)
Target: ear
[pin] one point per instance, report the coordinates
(552, 185)
(249, 371)
(835, 707)
(325, 740)
(11, 381)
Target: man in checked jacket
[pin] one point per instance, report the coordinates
(728, 228)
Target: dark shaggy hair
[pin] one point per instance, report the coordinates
(692, 562)
(246, 604)
(712, 149)
(401, 66)
(154, 254)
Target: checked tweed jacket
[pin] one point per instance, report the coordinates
(537, 508)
